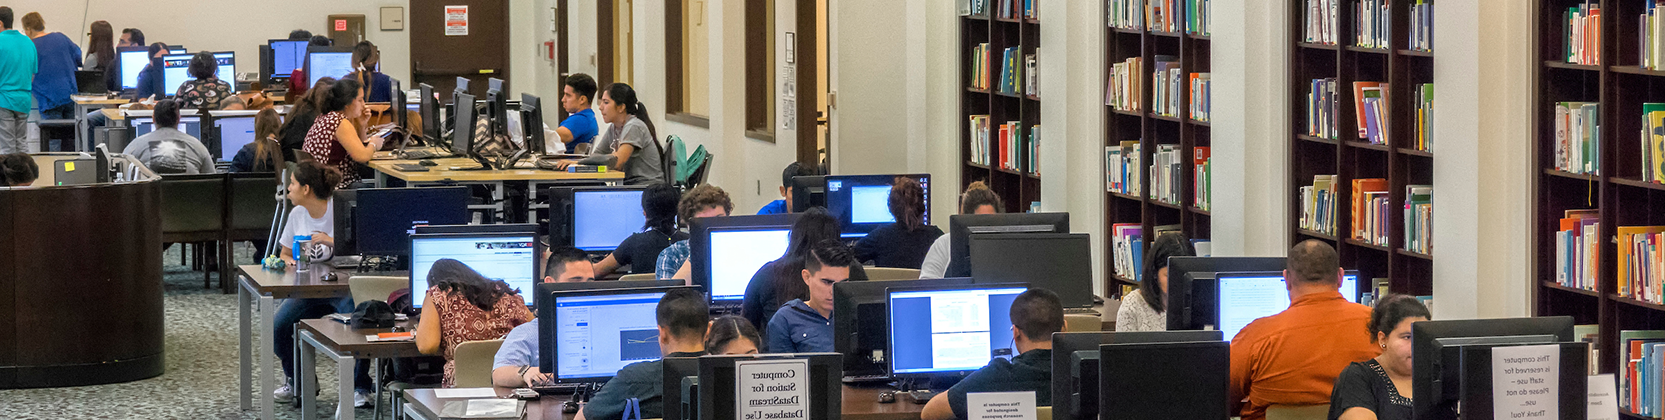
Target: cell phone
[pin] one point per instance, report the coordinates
(525, 394)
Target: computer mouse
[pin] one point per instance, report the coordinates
(330, 276)
(426, 163)
(887, 397)
(569, 407)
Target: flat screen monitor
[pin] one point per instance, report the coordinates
(387, 217)
(1060, 262)
(462, 84)
(547, 292)
(861, 202)
(862, 305)
(287, 56)
(1436, 366)
(175, 71)
(494, 83)
(397, 107)
(680, 373)
(597, 219)
(227, 67)
(1183, 315)
(324, 62)
(235, 132)
(961, 226)
(145, 125)
(720, 397)
(1139, 381)
(950, 330)
(1075, 365)
(513, 227)
(429, 110)
(462, 131)
(598, 332)
(809, 192)
(74, 172)
(176, 49)
(724, 272)
(531, 123)
(133, 60)
(510, 257)
(1245, 297)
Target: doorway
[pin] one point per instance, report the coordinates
(615, 39)
(459, 38)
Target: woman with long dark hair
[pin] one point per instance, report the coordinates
(780, 281)
(901, 244)
(101, 54)
(462, 305)
(262, 154)
(366, 70)
(641, 250)
(732, 335)
(630, 145)
(1145, 309)
(337, 138)
(292, 136)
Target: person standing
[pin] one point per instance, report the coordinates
(101, 54)
(58, 57)
(18, 64)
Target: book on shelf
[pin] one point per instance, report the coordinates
(1126, 14)
(1321, 108)
(1373, 23)
(1200, 90)
(1199, 17)
(1577, 134)
(1032, 9)
(1583, 33)
(1165, 79)
(1370, 101)
(979, 139)
(1422, 26)
(1419, 219)
(1634, 367)
(1011, 71)
(1033, 163)
(1127, 243)
(1577, 250)
(1163, 15)
(1202, 190)
(1122, 91)
(1166, 167)
(1640, 262)
(1031, 81)
(1009, 146)
(974, 8)
(1651, 32)
(1424, 109)
(1010, 9)
(1318, 205)
(1653, 143)
(980, 66)
(1370, 211)
(1121, 163)
(1320, 21)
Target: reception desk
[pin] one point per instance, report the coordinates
(80, 281)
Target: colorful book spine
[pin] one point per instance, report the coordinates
(1127, 244)
(1319, 20)
(1202, 180)
(1166, 168)
(1578, 250)
(1318, 205)
(1372, 23)
(1126, 14)
(1122, 92)
(1198, 16)
(1424, 109)
(1199, 92)
(1422, 26)
(1165, 87)
(1577, 134)
(1583, 33)
(1122, 165)
(1419, 219)
(1321, 108)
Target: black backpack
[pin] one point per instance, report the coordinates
(373, 314)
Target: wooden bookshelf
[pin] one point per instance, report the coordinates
(1020, 187)
(1351, 157)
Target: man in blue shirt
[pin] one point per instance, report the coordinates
(784, 205)
(580, 126)
(516, 364)
(18, 64)
(806, 327)
(683, 317)
(58, 59)
(1035, 314)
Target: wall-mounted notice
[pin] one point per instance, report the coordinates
(456, 20)
(772, 389)
(1526, 382)
(1001, 405)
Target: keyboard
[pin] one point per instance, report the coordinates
(546, 388)
(420, 154)
(857, 379)
(1081, 311)
(410, 167)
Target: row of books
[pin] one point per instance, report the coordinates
(1419, 219)
(1121, 168)
(1200, 92)
(1033, 160)
(1031, 75)
(1583, 33)
(1012, 61)
(1642, 372)
(1166, 173)
(1321, 108)
(1370, 211)
(979, 66)
(1424, 103)
(1004, 146)
(1014, 66)
(1196, 16)
(1578, 249)
(1370, 103)
(1122, 90)
(1422, 26)
(1319, 18)
(1007, 9)
(1373, 23)
(1127, 246)
(1642, 263)
(1199, 17)
(1653, 143)
(1165, 86)
(1318, 205)
(1577, 137)
(1125, 14)
(1163, 15)
(1651, 46)
(1203, 180)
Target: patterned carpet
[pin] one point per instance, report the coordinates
(201, 377)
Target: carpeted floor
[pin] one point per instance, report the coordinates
(201, 377)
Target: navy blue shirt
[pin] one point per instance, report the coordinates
(643, 381)
(59, 58)
(1030, 371)
(797, 328)
(895, 246)
(150, 79)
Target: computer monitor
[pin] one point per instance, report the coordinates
(808, 192)
(1186, 380)
(497, 111)
(91, 82)
(861, 202)
(343, 203)
(531, 123)
(1060, 262)
(133, 60)
(860, 305)
(287, 55)
(514, 227)
(429, 103)
(588, 335)
(226, 69)
(400, 112)
(74, 172)
(175, 71)
(462, 131)
(387, 217)
(724, 252)
(1182, 314)
(949, 330)
(1241, 298)
(1440, 375)
(332, 62)
(462, 84)
(961, 226)
(234, 133)
(177, 49)
(595, 219)
(719, 396)
(510, 257)
(1075, 365)
(145, 125)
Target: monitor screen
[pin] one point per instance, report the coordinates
(1245, 298)
(1060, 262)
(386, 217)
(598, 334)
(235, 132)
(175, 71)
(509, 257)
(176, 49)
(601, 219)
(287, 56)
(950, 329)
(737, 254)
(133, 61)
(145, 125)
(323, 64)
(227, 70)
(861, 202)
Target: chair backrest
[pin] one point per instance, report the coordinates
(474, 363)
(1083, 323)
(697, 175)
(368, 288)
(193, 203)
(635, 277)
(253, 202)
(1298, 412)
(883, 274)
(671, 159)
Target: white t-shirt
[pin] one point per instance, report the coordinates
(935, 265)
(302, 223)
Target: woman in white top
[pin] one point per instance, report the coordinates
(1145, 309)
(977, 199)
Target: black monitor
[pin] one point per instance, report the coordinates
(91, 82)
(512, 257)
(595, 219)
(234, 132)
(860, 305)
(344, 202)
(429, 110)
(1444, 371)
(497, 111)
(462, 125)
(531, 123)
(74, 172)
(972, 324)
(327, 61)
(719, 396)
(1236, 299)
(287, 55)
(809, 191)
(724, 252)
(177, 49)
(861, 202)
(1180, 274)
(1060, 262)
(398, 108)
(514, 227)
(1075, 365)
(386, 218)
(680, 374)
(133, 60)
(586, 336)
(1139, 380)
(961, 226)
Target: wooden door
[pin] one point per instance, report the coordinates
(444, 48)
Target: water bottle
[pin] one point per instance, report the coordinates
(302, 257)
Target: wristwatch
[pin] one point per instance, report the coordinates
(523, 370)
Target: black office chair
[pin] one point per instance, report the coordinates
(251, 204)
(667, 160)
(193, 212)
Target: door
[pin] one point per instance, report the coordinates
(867, 76)
(459, 38)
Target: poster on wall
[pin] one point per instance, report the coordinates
(456, 20)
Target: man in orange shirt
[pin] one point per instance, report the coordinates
(1293, 358)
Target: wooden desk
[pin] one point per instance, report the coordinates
(425, 404)
(344, 344)
(443, 173)
(85, 105)
(862, 403)
(859, 404)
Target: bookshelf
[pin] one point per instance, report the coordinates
(1617, 193)
(981, 22)
(1178, 121)
(1391, 159)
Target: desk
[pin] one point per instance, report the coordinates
(493, 180)
(85, 105)
(344, 344)
(423, 404)
(859, 404)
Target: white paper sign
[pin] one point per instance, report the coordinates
(1526, 382)
(772, 389)
(1000, 405)
(1604, 399)
(456, 20)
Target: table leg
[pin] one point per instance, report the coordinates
(344, 367)
(268, 313)
(305, 376)
(244, 346)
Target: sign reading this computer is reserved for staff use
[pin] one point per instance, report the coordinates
(772, 389)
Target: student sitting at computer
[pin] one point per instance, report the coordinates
(805, 325)
(630, 145)
(641, 249)
(1145, 308)
(263, 154)
(977, 199)
(578, 130)
(1380, 388)
(305, 112)
(18, 170)
(516, 363)
(901, 244)
(377, 86)
(205, 90)
(297, 78)
(1294, 357)
(166, 150)
(58, 57)
(1035, 314)
(784, 205)
(782, 280)
(705, 200)
(335, 139)
(732, 335)
(683, 316)
(463, 305)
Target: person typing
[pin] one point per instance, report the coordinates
(516, 363)
(683, 316)
(1036, 314)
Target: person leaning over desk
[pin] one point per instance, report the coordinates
(1146, 308)
(1035, 314)
(463, 305)
(682, 316)
(516, 363)
(1380, 388)
(629, 145)
(337, 138)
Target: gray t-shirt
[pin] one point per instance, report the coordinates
(644, 167)
(170, 151)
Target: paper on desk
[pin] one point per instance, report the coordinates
(491, 407)
(465, 393)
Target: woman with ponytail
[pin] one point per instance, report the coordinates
(367, 71)
(630, 145)
(901, 244)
